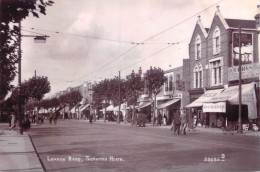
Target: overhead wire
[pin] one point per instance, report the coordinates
(136, 44)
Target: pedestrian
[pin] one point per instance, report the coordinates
(177, 122)
(12, 120)
(55, 117)
(165, 119)
(160, 119)
(33, 117)
(50, 117)
(90, 118)
(183, 123)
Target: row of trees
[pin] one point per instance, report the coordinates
(131, 88)
(69, 99)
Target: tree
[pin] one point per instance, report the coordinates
(34, 88)
(70, 99)
(114, 89)
(12, 12)
(154, 79)
(37, 87)
(103, 90)
(134, 88)
(54, 103)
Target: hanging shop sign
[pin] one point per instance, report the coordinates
(247, 71)
(214, 107)
(246, 48)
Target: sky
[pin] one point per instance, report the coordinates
(71, 56)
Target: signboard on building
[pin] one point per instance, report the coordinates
(214, 107)
(246, 48)
(248, 71)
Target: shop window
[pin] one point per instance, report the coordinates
(216, 41)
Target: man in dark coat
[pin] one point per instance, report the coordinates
(177, 122)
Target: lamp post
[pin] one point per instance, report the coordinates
(37, 39)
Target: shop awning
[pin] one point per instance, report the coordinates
(168, 103)
(109, 108)
(144, 104)
(204, 98)
(231, 95)
(73, 109)
(83, 107)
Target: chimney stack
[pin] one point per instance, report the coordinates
(217, 8)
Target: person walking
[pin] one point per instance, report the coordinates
(183, 123)
(90, 118)
(12, 120)
(160, 119)
(55, 117)
(177, 122)
(33, 117)
(50, 117)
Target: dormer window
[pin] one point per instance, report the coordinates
(216, 41)
(198, 48)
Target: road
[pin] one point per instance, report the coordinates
(74, 145)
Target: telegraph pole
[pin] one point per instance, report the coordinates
(118, 116)
(239, 89)
(19, 115)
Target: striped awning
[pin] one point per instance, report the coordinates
(168, 103)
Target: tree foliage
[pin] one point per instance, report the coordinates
(134, 88)
(114, 88)
(71, 98)
(34, 88)
(11, 13)
(154, 79)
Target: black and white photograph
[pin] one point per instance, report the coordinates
(129, 85)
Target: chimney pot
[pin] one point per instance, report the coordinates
(217, 7)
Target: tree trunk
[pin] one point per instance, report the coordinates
(133, 115)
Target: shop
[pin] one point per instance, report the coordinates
(196, 112)
(167, 109)
(224, 106)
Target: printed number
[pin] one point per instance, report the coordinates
(223, 156)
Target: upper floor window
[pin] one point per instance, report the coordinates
(168, 85)
(198, 48)
(198, 76)
(216, 71)
(216, 41)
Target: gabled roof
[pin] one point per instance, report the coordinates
(250, 24)
(202, 28)
(234, 23)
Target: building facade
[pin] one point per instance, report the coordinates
(214, 60)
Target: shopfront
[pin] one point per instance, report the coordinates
(226, 104)
(196, 112)
(167, 109)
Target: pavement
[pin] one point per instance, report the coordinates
(17, 152)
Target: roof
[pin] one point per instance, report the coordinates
(250, 24)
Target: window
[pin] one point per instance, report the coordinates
(216, 71)
(216, 41)
(198, 48)
(198, 76)
(170, 84)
